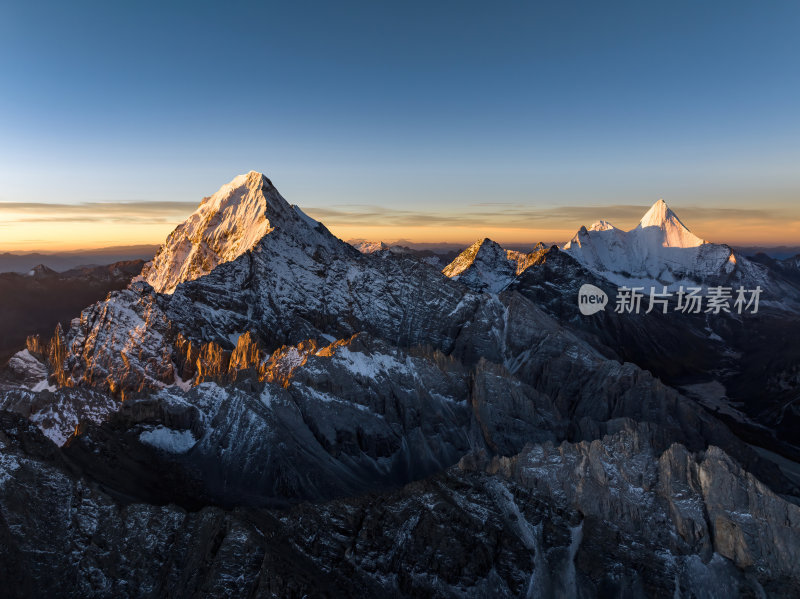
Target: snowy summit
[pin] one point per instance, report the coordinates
(660, 249)
(224, 226)
(665, 226)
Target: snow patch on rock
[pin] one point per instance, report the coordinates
(167, 439)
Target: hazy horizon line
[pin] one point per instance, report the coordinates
(448, 245)
(45, 227)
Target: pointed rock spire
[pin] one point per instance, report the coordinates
(484, 250)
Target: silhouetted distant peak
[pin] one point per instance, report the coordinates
(40, 270)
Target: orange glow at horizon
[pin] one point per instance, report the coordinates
(68, 236)
(53, 236)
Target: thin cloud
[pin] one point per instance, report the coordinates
(136, 212)
(478, 215)
(520, 216)
(750, 215)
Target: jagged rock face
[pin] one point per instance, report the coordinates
(682, 349)
(362, 414)
(670, 346)
(483, 266)
(737, 355)
(60, 413)
(696, 507)
(360, 417)
(551, 278)
(357, 413)
(486, 266)
(302, 285)
(297, 283)
(121, 344)
(556, 273)
(286, 290)
(56, 355)
(35, 346)
(38, 365)
(606, 518)
(27, 370)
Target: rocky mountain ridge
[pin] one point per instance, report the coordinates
(721, 360)
(310, 419)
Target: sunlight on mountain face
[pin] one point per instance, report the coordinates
(224, 226)
(258, 362)
(660, 248)
(483, 360)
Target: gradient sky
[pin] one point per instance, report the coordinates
(428, 121)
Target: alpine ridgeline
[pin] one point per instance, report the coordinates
(301, 418)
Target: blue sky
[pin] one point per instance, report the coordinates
(429, 108)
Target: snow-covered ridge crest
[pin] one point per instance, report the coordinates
(224, 226)
(602, 225)
(659, 250)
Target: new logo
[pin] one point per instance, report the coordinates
(591, 299)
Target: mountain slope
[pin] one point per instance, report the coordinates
(576, 519)
(728, 363)
(300, 285)
(486, 266)
(483, 266)
(224, 226)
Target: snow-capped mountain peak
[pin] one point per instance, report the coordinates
(668, 228)
(224, 226)
(369, 247)
(602, 225)
(660, 250)
(485, 249)
(487, 266)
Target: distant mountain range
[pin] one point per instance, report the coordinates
(444, 252)
(61, 261)
(778, 252)
(33, 303)
(268, 411)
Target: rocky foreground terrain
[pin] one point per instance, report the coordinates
(267, 411)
